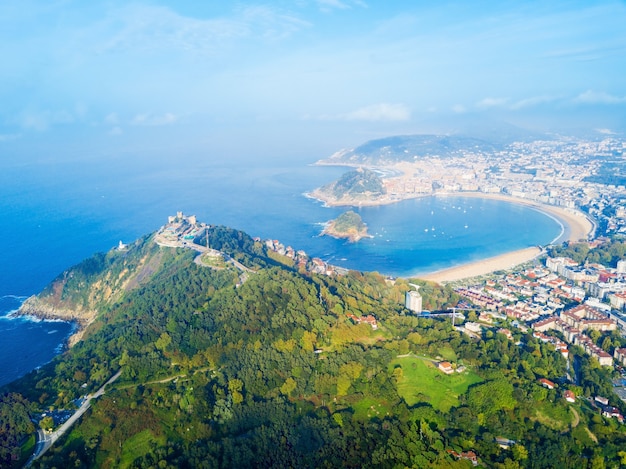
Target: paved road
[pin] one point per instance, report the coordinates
(46, 440)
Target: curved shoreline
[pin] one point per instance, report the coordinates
(575, 226)
(505, 261)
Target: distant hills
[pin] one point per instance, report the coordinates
(410, 148)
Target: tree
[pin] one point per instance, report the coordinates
(46, 423)
(163, 341)
(398, 374)
(234, 387)
(595, 335)
(520, 453)
(343, 384)
(308, 341)
(492, 396)
(288, 386)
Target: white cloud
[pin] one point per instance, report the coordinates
(374, 113)
(145, 28)
(459, 108)
(532, 102)
(329, 5)
(42, 120)
(116, 131)
(491, 102)
(9, 137)
(147, 119)
(111, 119)
(598, 97)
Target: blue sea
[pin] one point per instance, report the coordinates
(56, 214)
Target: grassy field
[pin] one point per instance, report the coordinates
(421, 381)
(216, 261)
(137, 445)
(448, 354)
(25, 452)
(369, 408)
(557, 417)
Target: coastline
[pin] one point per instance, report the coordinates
(356, 229)
(575, 227)
(34, 307)
(486, 266)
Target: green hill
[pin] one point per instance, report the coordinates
(348, 225)
(353, 187)
(277, 370)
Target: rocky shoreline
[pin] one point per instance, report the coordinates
(347, 226)
(36, 307)
(353, 237)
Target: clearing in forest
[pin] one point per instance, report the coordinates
(421, 381)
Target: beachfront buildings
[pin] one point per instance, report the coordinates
(580, 303)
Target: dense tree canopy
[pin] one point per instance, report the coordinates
(275, 373)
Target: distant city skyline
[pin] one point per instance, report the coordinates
(299, 78)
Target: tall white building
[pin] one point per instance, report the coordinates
(621, 266)
(413, 301)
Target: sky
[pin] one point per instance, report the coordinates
(300, 78)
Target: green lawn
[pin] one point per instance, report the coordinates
(212, 260)
(557, 417)
(137, 445)
(448, 354)
(26, 450)
(369, 408)
(421, 381)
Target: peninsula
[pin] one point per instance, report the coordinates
(348, 225)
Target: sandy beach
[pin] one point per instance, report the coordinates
(492, 264)
(575, 227)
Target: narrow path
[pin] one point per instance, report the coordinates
(421, 357)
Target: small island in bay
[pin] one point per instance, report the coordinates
(348, 225)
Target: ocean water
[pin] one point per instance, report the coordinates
(56, 214)
(26, 343)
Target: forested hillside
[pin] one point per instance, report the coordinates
(282, 371)
(360, 184)
(409, 148)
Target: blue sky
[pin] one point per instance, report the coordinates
(301, 76)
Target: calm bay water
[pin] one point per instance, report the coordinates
(55, 215)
